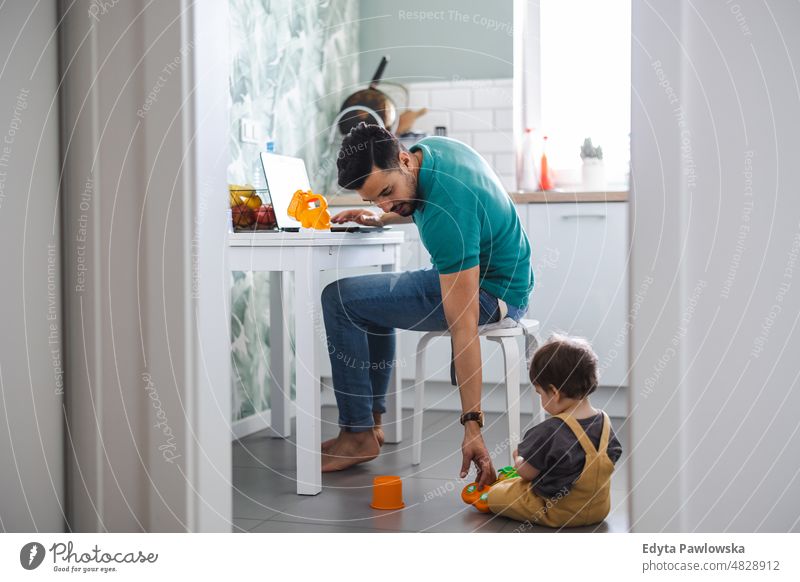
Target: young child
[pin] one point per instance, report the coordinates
(565, 463)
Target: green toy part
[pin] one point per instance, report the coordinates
(508, 473)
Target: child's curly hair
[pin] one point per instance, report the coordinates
(568, 363)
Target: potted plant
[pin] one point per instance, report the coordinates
(594, 176)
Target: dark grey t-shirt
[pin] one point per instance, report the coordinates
(552, 447)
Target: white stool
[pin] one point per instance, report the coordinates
(507, 338)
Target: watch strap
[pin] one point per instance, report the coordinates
(476, 416)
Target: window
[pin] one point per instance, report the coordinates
(584, 51)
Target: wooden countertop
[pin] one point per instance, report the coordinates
(551, 196)
(519, 197)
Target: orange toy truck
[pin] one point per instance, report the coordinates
(310, 210)
(471, 495)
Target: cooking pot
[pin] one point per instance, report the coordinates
(367, 101)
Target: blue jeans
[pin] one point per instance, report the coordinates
(361, 314)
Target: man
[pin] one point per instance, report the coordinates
(481, 272)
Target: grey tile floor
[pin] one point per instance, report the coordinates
(264, 498)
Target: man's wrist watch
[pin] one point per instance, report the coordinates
(476, 416)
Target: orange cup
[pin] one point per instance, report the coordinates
(387, 492)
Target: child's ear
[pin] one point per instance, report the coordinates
(554, 392)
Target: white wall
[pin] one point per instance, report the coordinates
(478, 112)
(427, 41)
(146, 144)
(31, 358)
(715, 222)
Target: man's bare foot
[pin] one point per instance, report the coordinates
(378, 429)
(351, 448)
(330, 443)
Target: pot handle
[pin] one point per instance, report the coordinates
(379, 73)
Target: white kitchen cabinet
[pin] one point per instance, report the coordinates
(580, 254)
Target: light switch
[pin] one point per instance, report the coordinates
(248, 131)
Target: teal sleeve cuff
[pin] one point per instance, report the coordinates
(463, 265)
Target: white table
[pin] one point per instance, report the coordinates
(307, 253)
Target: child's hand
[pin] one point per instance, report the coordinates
(517, 460)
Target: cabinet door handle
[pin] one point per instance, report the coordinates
(577, 216)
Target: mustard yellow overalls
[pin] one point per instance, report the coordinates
(587, 502)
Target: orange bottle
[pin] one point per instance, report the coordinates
(544, 175)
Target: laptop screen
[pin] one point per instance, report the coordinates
(284, 175)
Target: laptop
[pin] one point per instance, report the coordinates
(284, 176)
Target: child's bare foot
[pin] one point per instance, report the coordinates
(351, 448)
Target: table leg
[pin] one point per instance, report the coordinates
(393, 419)
(307, 317)
(279, 356)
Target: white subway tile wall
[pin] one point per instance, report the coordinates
(478, 112)
(503, 119)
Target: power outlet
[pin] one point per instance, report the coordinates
(249, 131)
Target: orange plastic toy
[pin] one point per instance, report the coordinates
(310, 209)
(471, 495)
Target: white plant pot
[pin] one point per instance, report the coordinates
(594, 174)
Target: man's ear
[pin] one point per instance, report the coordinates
(405, 159)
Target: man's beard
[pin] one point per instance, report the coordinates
(407, 207)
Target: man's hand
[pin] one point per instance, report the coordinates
(360, 216)
(473, 450)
